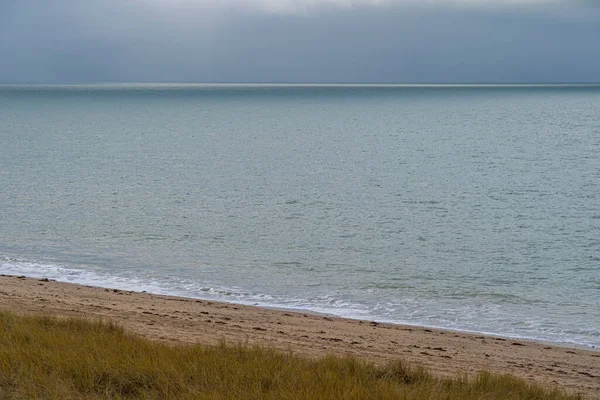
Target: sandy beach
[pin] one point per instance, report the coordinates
(183, 320)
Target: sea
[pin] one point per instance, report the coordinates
(473, 208)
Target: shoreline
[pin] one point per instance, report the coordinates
(110, 282)
(175, 320)
(566, 345)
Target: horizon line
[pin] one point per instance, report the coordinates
(296, 84)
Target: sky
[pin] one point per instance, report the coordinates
(300, 41)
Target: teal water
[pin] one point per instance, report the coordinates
(473, 208)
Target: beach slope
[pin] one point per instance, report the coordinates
(183, 320)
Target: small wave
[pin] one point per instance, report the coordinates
(91, 277)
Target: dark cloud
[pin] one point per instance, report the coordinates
(140, 40)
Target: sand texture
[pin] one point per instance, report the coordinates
(183, 320)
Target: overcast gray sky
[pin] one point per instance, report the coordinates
(393, 41)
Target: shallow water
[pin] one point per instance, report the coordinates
(471, 208)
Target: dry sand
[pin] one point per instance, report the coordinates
(183, 320)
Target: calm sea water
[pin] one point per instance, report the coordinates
(471, 208)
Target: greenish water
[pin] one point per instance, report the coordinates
(465, 207)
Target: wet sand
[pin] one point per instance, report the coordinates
(184, 320)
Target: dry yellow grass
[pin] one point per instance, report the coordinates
(48, 358)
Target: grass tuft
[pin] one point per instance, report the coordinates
(50, 358)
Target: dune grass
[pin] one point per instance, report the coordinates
(49, 358)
